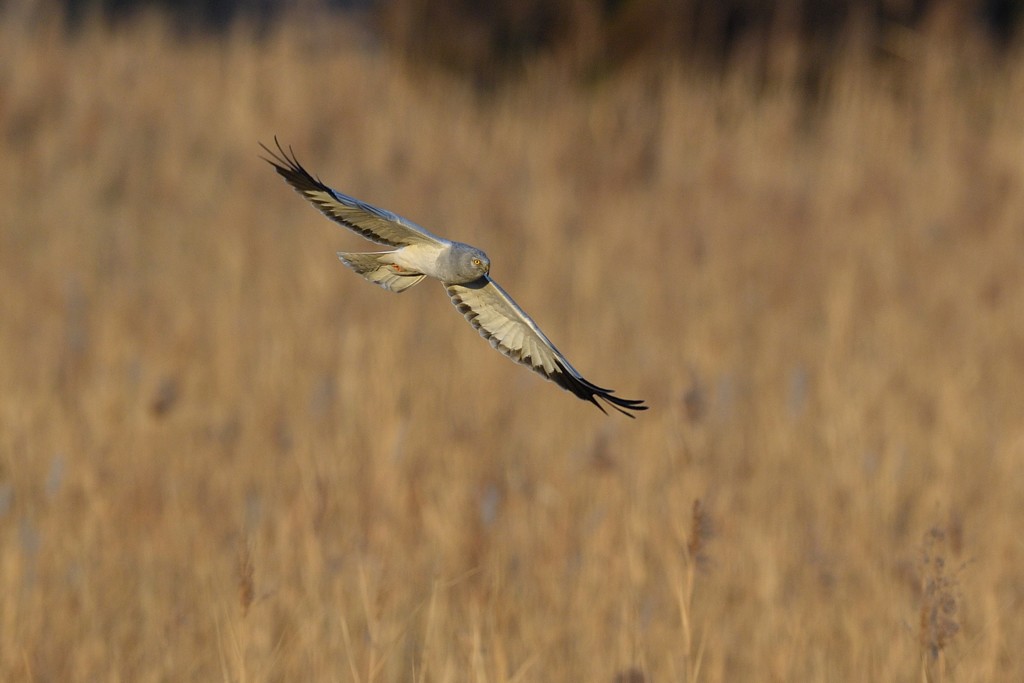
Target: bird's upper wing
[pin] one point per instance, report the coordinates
(500, 321)
(377, 225)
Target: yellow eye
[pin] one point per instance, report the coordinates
(477, 262)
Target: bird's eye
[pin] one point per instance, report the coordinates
(477, 262)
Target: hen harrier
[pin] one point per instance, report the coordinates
(462, 269)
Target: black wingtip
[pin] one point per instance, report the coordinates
(627, 403)
(588, 391)
(287, 164)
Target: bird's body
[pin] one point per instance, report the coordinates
(463, 270)
(423, 259)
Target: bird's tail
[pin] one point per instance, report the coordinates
(375, 268)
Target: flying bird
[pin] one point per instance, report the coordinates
(463, 270)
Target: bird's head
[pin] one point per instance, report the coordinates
(471, 263)
(480, 263)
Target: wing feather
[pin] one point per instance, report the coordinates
(376, 225)
(501, 321)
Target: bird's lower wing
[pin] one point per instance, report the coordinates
(506, 326)
(377, 225)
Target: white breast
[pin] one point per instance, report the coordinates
(421, 258)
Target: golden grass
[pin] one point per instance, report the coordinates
(223, 456)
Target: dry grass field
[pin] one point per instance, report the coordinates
(223, 456)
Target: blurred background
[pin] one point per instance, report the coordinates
(796, 229)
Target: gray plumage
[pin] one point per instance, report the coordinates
(463, 270)
(460, 263)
